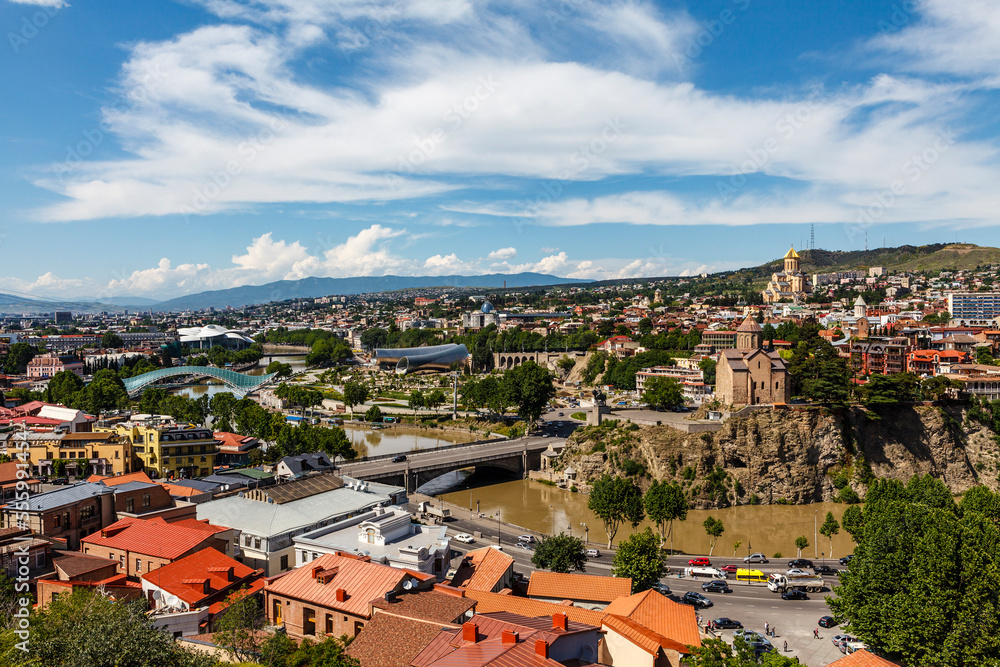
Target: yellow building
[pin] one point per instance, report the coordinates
(789, 284)
(165, 448)
(98, 453)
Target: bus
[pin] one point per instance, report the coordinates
(745, 574)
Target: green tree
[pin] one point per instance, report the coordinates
(416, 401)
(888, 390)
(436, 399)
(85, 628)
(111, 341)
(853, 522)
(532, 389)
(560, 553)
(819, 373)
(714, 528)
(801, 542)
(355, 393)
(663, 392)
(279, 369)
(640, 559)
(829, 528)
(664, 503)
(18, 356)
(718, 653)
(615, 500)
(566, 364)
(923, 583)
(105, 392)
(238, 627)
(374, 337)
(64, 385)
(373, 414)
(707, 367)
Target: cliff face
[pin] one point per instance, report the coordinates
(798, 456)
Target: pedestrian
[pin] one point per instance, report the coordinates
(774, 632)
(786, 646)
(766, 629)
(815, 632)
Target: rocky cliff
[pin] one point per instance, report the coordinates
(796, 456)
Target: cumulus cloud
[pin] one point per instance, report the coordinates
(55, 4)
(503, 253)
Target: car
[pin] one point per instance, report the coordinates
(825, 569)
(700, 562)
(530, 539)
(593, 553)
(545, 435)
(716, 586)
(749, 636)
(696, 599)
(525, 545)
(755, 558)
(846, 559)
(724, 623)
(841, 639)
(399, 458)
(465, 537)
(560, 414)
(61, 481)
(661, 588)
(794, 595)
(851, 647)
(827, 622)
(729, 569)
(800, 563)
(796, 572)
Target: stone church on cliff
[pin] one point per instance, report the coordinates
(751, 375)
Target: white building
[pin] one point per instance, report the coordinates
(387, 535)
(211, 335)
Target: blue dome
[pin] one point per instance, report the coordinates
(487, 307)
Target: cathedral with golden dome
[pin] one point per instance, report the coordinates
(790, 284)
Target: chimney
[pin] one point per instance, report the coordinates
(542, 648)
(559, 621)
(341, 595)
(316, 570)
(470, 632)
(509, 637)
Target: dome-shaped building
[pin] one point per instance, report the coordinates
(479, 319)
(487, 307)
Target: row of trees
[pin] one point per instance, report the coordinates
(617, 500)
(528, 387)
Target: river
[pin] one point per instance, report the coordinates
(401, 439)
(768, 528)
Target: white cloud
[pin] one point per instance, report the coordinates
(268, 257)
(55, 4)
(503, 253)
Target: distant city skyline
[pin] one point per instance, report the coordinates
(166, 149)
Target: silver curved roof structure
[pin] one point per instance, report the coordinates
(408, 359)
(240, 384)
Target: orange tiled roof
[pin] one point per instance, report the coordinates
(862, 658)
(488, 567)
(151, 538)
(487, 602)
(641, 636)
(177, 490)
(362, 582)
(204, 564)
(121, 479)
(663, 616)
(578, 586)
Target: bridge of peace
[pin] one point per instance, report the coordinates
(240, 384)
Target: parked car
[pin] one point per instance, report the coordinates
(796, 572)
(465, 537)
(700, 562)
(530, 539)
(851, 647)
(841, 639)
(794, 595)
(62, 481)
(755, 558)
(661, 588)
(696, 599)
(827, 622)
(729, 569)
(717, 586)
(846, 559)
(800, 563)
(593, 553)
(724, 623)
(749, 636)
(399, 458)
(825, 569)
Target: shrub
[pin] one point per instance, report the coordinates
(777, 555)
(633, 468)
(848, 496)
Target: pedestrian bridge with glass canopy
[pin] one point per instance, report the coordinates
(240, 384)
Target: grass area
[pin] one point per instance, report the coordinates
(582, 416)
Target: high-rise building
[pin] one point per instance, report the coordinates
(971, 308)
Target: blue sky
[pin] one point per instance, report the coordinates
(157, 149)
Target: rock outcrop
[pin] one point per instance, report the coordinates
(795, 455)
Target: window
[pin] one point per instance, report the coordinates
(329, 624)
(145, 500)
(57, 521)
(138, 565)
(122, 559)
(130, 504)
(256, 543)
(246, 540)
(284, 562)
(87, 512)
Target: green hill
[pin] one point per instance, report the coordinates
(933, 258)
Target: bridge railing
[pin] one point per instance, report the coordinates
(438, 466)
(459, 445)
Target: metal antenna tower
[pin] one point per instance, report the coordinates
(812, 236)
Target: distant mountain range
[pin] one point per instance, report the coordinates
(282, 290)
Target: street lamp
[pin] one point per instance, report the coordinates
(477, 508)
(498, 527)
(586, 532)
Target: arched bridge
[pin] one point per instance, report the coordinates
(240, 384)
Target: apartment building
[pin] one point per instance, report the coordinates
(166, 448)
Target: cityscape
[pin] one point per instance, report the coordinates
(366, 333)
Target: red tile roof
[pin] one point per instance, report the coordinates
(392, 641)
(204, 564)
(151, 538)
(362, 581)
(862, 658)
(487, 602)
(655, 612)
(121, 479)
(427, 606)
(482, 569)
(577, 586)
